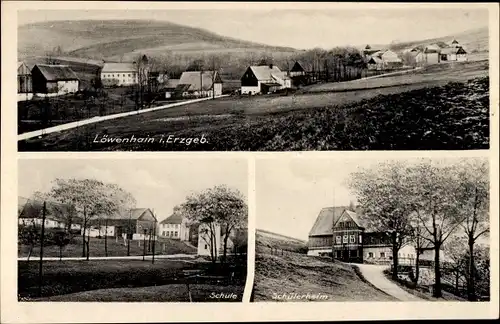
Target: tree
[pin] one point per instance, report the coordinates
(472, 197)
(382, 194)
(61, 239)
(431, 185)
(56, 208)
(90, 198)
(218, 211)
(456, 250)
(141, 62)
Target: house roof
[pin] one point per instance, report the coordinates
(375, 60)
(118, 67)
(196, 82)
(182, 87)
(434, 48)
(264, 72)
(354, 217)
(56, 72)
(32, 208)
(453, 50)
(326, 218)
(280, 75)
(134, 213)
(175, 218)
(172, 83)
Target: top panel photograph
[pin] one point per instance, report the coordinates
(253, 80)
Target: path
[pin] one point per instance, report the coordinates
(374, 274)
(134, 257)
(96, 119)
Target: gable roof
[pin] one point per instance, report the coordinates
(175, 218)
(433, 48)
(280, 75)
(172, 83)
(326, 218)
(351, 214)
(56, 72)
(118, 67)
(198, 79)
(134, 214)
(33, 209)
(264, 72)
(453, 50)
(375, 60)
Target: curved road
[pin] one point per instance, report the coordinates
(374, 274)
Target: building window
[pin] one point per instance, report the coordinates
(129, 75)
(370, 254)
(382, 254)
(360, 240)
(206, 247)
(338, 239)
(346, 237)
(352, 239)
(175, 234)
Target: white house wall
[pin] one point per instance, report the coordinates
(70, 86)
(251, 90)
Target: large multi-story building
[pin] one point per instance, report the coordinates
(339, 231)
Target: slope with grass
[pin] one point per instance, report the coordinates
(294, 273)
(116, 39)
(270, 240)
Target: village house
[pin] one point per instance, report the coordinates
(24, 82)
(125, 74)
(340, 231)
(264, 79)
(30, 213)
(136, 222)
(200, 84)
(218, 241)
(58, 79)
(170, 88)
(453, 54)
(430, 55)
(384, 60)
(175, 227)
(119, 74)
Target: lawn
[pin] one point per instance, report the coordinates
(115, 248)
(294, 273)
(116, 280)
(423, 112)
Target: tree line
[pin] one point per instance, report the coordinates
(428, 204)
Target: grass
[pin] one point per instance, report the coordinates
(163, 293)
(115, 248)
(422, 115)
(295, 273)
(121, 280)
(281, 244)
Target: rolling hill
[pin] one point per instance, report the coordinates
(123, 39)
(474, 40)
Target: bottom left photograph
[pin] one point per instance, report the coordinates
(149, 230)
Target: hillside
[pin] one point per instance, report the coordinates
(263, 240)
(318, 279)
(475, 40)
(123, 39)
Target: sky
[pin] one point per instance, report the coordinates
(290, 193)
(159, 184)
(302, 28)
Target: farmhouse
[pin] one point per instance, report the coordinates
(30, 213)
(200, 84)
(430, 55)
(135, 222)
(300, 69)
(24, 83)
(119, 74)
(340, 231)
(264, 79)
(384, 60)
(368, 51)
(453, 54)
(175, 226)
(58, 79)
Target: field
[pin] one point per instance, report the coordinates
(433, 109)
(295, 273)
(125, 280)
(115, 248)
(280, 244)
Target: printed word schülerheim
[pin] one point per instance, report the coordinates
(297, 296)
(162, 139)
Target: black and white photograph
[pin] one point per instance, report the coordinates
(258, 79)
(408, 229)
(147, 230)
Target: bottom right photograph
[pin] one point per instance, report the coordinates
(372, 229)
